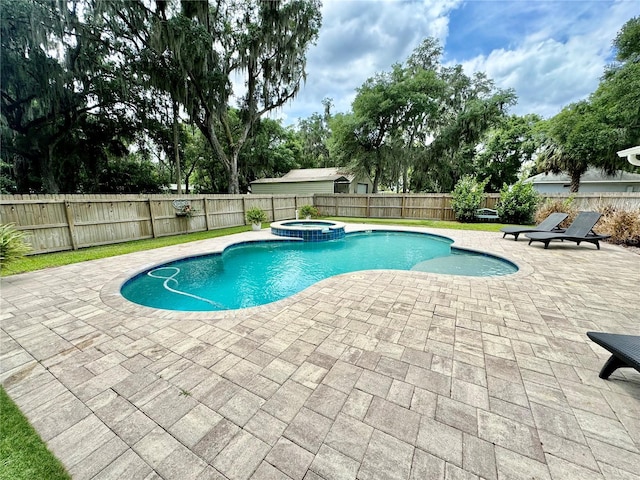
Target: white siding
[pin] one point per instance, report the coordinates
(353, 188)
(587, 187)
(292, 188)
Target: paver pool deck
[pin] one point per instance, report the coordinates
(368, 375)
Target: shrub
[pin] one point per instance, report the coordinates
(13, 244)
(256, 215)
(467, 197)
(309, 211)
(622, 225)
(557, 206)
(517, 203)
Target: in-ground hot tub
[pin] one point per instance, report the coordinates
(309, 230)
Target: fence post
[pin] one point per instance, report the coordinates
(368, 206)
(273, 209)
(72, 230)
(152, 217)
(206, 214)
(244, 209)
(404, 197)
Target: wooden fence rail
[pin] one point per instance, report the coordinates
(69, 222)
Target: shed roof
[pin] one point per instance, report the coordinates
(331, 174)
(593, 175)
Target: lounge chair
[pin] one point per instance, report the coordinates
(625, 351)
(549, 224)
(581, 230)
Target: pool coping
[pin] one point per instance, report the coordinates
(111, 296)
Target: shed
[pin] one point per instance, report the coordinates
(308, 181)
(593, 180)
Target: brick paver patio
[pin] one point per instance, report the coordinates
(369, 375)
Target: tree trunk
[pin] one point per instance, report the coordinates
(176, 147)
(234, 183)
(49, 183)
(208, 130)
(378, 171)
(376, 179)
(575, 182)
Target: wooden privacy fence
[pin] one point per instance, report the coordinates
(437, 206)
(69, 222)
(432, 206)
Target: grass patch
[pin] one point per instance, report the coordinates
(485, 227)
(23, 455)
(57, 259)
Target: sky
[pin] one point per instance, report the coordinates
(551, 52)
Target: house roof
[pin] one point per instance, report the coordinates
(331, 174)
(593, 175)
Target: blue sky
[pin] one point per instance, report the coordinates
(551, 52)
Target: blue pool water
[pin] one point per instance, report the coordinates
(256, 273)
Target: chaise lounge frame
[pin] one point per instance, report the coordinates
(580, 230)
(549, 224)
(625, 351)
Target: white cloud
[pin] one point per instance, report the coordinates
(551, 53)
(359, 38)
(558, 65)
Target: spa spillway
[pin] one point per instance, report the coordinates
(309, 230)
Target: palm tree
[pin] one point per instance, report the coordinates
(555, 159)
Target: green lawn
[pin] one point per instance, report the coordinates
(57, 259)
(23, 455)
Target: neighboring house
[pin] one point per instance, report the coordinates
(173, 188)
(308, 181)
(593, 180)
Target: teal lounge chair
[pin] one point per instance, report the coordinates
(549, 224)
(581, 230)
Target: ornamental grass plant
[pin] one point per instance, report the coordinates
(13, 244)
(623, 225)
(557, 206)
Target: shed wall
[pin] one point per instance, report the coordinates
(353, 187)
(292, 188)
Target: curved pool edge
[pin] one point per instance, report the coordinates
(309, 230)
(111, 296)
(499, 257)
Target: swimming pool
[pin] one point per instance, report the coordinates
(256, 273)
